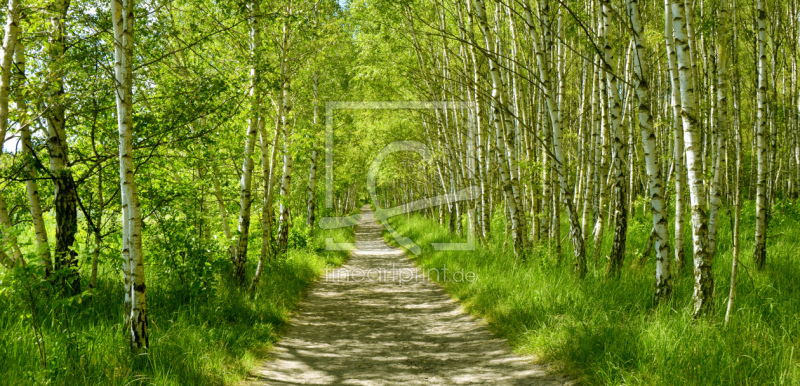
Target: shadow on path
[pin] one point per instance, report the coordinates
(377, 320)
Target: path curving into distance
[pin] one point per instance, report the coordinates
(393, 327)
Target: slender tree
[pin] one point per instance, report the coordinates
(655, 181)
(123, 22)
(762, 137)
(9, 42)
(617, 254)
(704, 281)
(245, 185)
(65, 200)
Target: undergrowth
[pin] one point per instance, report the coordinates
(202, 329)
(607, 331)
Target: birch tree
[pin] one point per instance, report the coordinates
(123, 22)
(655, 180)
(703, 296)
(9, 41)
(617, 254)
(66, 195)
(737, 172)
(285, 117)
(269, 167)
(720, 124)
(762, 137)
(311, 201)
(677, 128)
(239, 258)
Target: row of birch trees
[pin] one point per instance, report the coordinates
(581, 109)
(153, 126)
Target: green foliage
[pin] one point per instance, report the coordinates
(605, 331)
(202, 331)
(299, 236)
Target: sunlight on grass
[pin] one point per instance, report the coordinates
(608, 332)
(211, 337)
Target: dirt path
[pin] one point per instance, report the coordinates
(360, 325)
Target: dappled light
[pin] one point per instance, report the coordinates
(354, 328)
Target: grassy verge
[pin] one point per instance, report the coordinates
(202, 331)
(605, 331)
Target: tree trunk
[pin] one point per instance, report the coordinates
(9, 40)
(66, 194)
(655, 181)
(269, 166)
(312, 172)
(591, 173)
(720, 124)
(617, 255)
(760, 246)
(31, 184)
(98, 237)
(675, 97)
(122, 14)
(239, 259)
(284, 221)
(601, 166)
(704, 282)
(737, 184)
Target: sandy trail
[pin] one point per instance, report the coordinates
(360, 325)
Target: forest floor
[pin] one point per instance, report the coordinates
(378, 320)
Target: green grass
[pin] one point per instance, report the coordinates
(604, 331)
(207, 333)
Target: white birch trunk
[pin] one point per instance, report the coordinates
(284, 221)
(617, 254)
(655, 181)
(9, 40)
(122, 20)
(720, 122)
(704, 283)
(677, 127)
(737, 184)
(286, 179)
(590, 163)
(239, 259)
(269, 166)
(312, 172)
(760, 246)
(601, 165)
